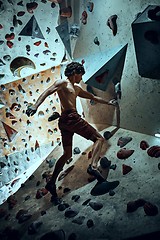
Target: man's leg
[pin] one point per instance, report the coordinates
(51, 185)
(60, 162)
(96, 151)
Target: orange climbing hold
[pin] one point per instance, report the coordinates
(37, 43)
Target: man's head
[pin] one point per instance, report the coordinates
(74, 68)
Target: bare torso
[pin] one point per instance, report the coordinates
(67, 95)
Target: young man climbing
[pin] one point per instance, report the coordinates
(70, 122)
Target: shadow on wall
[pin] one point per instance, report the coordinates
(101, 115)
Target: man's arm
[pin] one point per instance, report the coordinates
(52, 89)
(84, 94)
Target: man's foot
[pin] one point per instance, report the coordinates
(51, 187)
(95, 173)
(56, 200)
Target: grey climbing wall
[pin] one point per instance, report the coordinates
(146, 35)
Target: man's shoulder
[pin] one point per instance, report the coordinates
(60, 81)
(77, 85)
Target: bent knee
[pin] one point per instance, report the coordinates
(67, 154)
(98, 138)
(101, 139)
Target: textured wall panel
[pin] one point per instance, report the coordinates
(146, 35)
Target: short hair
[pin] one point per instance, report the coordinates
(74, 67)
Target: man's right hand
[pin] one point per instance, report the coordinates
(113, 102)
(31, 110)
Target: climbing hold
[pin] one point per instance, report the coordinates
(84, 17)
(31, 6)
(90, 223)
(15, 21)
(9, 44)
(28, 48)
(154, 151)
(36, 145)
(33, 227)
(76, 150)
(104, 187)
(126, 169)
(46, 52)
(20, 14)
(2, 63)
(150, 209)
(144, 145)
(46, 45)
(124, 153)
(11, 92)
(21, 89)
(75, 197)
(53, 5)
(96, 41)
(154, 14)
(95, 205)
(24, 217)
(122, 141)
(63, 206)
(11, 133)
(7, 58)
(15, 107)
(107, 135)
(111, 23)
(69, 213)
(9, 115)
(9, 37)
(37, 43)
(54, 116)
(90, 6)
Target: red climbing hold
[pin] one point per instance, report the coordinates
(9, 44)
(84, 17)
(126, 169)
(37, 43)
(9, 37)
(124, 153)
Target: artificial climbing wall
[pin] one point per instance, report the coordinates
(22, 136)
(29, 42)
(97, 45)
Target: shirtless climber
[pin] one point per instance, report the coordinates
(70, 122)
